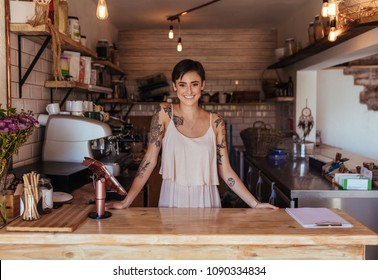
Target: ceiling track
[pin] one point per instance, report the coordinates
(177, 16)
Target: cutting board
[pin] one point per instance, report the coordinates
(65, 219)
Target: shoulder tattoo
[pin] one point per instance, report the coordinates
(168, 110)
(176, 119)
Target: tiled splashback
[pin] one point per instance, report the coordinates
(238, 116)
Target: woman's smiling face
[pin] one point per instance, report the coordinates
(189, 87)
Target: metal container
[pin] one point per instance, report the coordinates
(303, 149)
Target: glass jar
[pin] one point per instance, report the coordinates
(46, 193)
(102, 49)
(318, 28)
(291, 46)
(311, 33)
(74, 28)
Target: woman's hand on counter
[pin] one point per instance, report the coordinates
(114, 205)
(265, 205)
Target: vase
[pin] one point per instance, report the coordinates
(4, 175)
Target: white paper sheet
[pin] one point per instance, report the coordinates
(317, 218)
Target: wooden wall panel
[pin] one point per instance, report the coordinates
(225, 53)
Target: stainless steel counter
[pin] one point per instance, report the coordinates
(295, 182)
(297, 177)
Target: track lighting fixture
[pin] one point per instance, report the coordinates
(177, 17)
(332, 35)
(330, 10)
(179, 42)
(324, 12)
(171, 34)
(179, 45)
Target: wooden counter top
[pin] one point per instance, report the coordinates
(171, 233)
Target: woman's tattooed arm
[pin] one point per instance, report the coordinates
(219, 122)
(142, 167)
(155, 130)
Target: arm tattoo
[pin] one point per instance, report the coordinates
(142, 168)
(219, 121)
(168, 110)
(219, 155)
(230, 182)
(155, 130)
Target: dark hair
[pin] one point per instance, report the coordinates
(185, 66)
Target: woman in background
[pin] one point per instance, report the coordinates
(194, 149)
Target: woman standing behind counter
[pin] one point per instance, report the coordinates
(194, 149)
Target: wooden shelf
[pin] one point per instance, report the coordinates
(114, 69)
(324, 44)
(38, 35)
(114, 100)
(281, 99)
(77, 85)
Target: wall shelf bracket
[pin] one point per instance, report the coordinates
(22, 79)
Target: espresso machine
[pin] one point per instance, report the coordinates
(68, 140)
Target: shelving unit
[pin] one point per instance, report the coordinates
(118, 101)
(41, 35)
(281, 99)
(324, 44)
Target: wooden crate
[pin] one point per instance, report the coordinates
(13, 205)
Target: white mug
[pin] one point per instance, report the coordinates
(222, 98)
(88, 106)
(77, 106)
(69, 105)
(43, 118)
(53, 108)
(98, 108)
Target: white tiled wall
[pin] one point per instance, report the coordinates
(35, 96)
(238, 116)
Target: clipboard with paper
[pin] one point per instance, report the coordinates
(309, 217)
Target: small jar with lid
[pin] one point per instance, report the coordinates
(83, 40)
(311, 33)
(291, 46)
(46, 192)
(318, 28)
(102, 49)
(74, 28)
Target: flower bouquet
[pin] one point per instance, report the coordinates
(15, 129)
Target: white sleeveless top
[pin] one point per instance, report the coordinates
(189, 169)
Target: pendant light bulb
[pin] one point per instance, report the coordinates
(102, 10)
(179, 45)
(324, 12)
(332, 8)
(171, 35)
(332, 35)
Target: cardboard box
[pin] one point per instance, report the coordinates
(21, 11)
(351, 181)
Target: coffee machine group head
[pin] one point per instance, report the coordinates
(68, 138)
